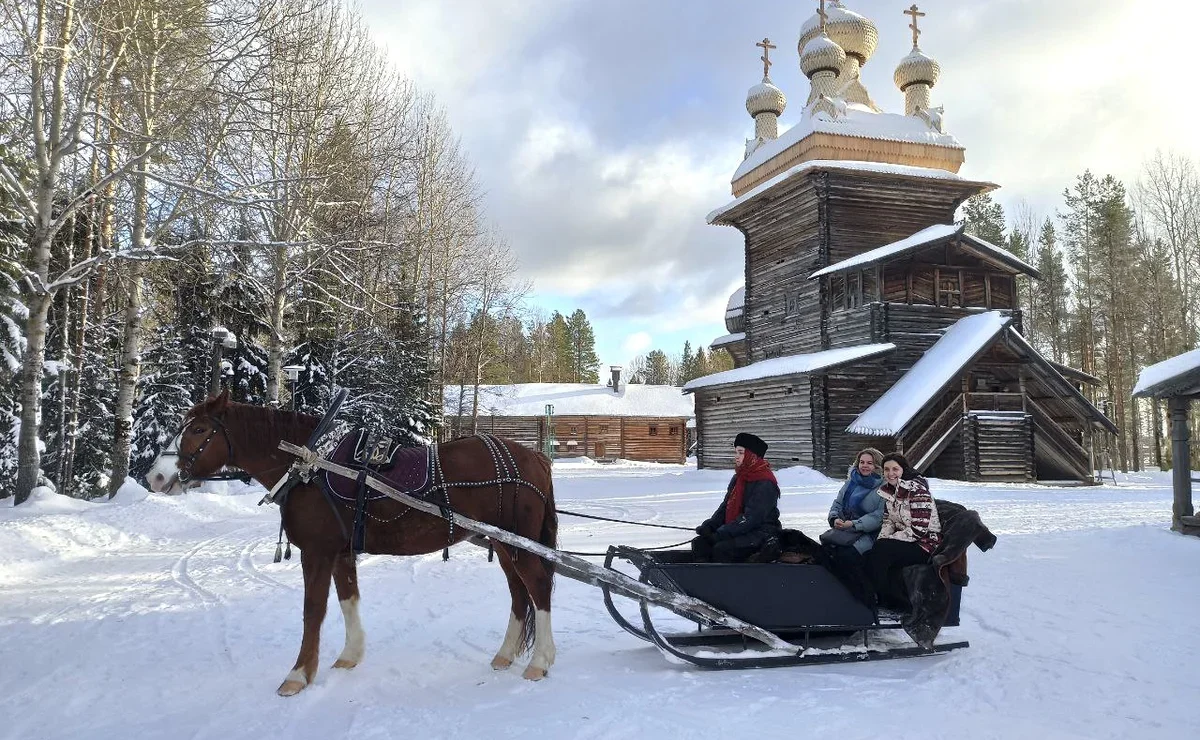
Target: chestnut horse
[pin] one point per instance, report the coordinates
(221, 432)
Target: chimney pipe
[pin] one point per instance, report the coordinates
(616, 377)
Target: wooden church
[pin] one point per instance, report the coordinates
(869, 317)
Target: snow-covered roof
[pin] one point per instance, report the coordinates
(728, 339)
(919, 239)
(942, 363)
(571, 399)
(1179, 375)
(924, 237)
(737, 301)
(859, 120)
(792, 365)
(836, 164)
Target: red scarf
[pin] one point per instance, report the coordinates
(753, 468)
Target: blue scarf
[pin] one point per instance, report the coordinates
(859, 488)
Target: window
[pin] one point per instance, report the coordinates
(949, 290)
(653, 430)
(574, 429)
(792, 300)
(853, 290)
(673, 431)
(604, 429)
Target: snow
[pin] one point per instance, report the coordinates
(1167, 371)
(833, 164)
(791, 365)
(721, 341)
(167, 618)
(922, 237)
(573, 399)
(938, 366)
(925, 236)
(859, 121)
(736, 302)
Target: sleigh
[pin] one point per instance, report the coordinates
(803, 604)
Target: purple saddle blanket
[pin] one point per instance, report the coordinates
(404, 468)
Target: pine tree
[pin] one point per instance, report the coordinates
(1051, 305)
(584, 362)
(1079, 225)
(658, 368)
(985, 218)
(92, 460)
(164, 395)
(687, 364)
(562, 350)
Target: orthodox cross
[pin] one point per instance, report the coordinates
(766, 57)
(824, 16)
(915, 15)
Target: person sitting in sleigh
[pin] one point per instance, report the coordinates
(745, 527)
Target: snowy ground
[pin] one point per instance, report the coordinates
(165, 618)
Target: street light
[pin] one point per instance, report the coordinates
(293, 375)
(222, 339)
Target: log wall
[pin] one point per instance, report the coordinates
(776, 409)
(645, 438)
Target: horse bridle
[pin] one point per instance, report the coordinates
(186, 462)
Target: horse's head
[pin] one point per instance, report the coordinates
(163, 475)
(204, 444)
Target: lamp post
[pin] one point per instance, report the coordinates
(222, 339)
(293, 375)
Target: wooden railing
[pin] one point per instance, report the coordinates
(1050, 430)
(920, 448)
(979, 401)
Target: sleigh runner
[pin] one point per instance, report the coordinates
(782, 607)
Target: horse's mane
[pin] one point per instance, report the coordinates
(259, 423)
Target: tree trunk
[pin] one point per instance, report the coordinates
(127, 378)
(28, 456)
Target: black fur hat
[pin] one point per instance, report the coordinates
(751, 443)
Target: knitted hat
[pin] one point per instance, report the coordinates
(751, 444)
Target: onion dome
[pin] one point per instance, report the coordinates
(917, 68)
(856, 34)
(821, 54)
(765, 98)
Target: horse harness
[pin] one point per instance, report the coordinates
(415, 471)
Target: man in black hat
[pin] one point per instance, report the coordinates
(746, 524)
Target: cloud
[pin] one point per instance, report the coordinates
(637, 343)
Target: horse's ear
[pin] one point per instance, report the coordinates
(221, 402)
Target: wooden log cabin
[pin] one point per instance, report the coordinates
(635, 422)
(868, 316)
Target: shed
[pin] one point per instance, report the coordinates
(634, 422)
(1177, 381)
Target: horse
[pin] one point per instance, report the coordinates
(219, 432)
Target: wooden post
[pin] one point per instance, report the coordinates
(1181, 468)
(622, 437)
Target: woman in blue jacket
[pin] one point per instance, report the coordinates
(854, 520)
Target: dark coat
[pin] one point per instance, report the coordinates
(928, 584)
(760, 513)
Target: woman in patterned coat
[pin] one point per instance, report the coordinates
(909, 534)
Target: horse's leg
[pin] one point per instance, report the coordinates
(537, 577)
(516, 636)
(345, 580)
(318, 568)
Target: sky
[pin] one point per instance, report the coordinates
(602, 133)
